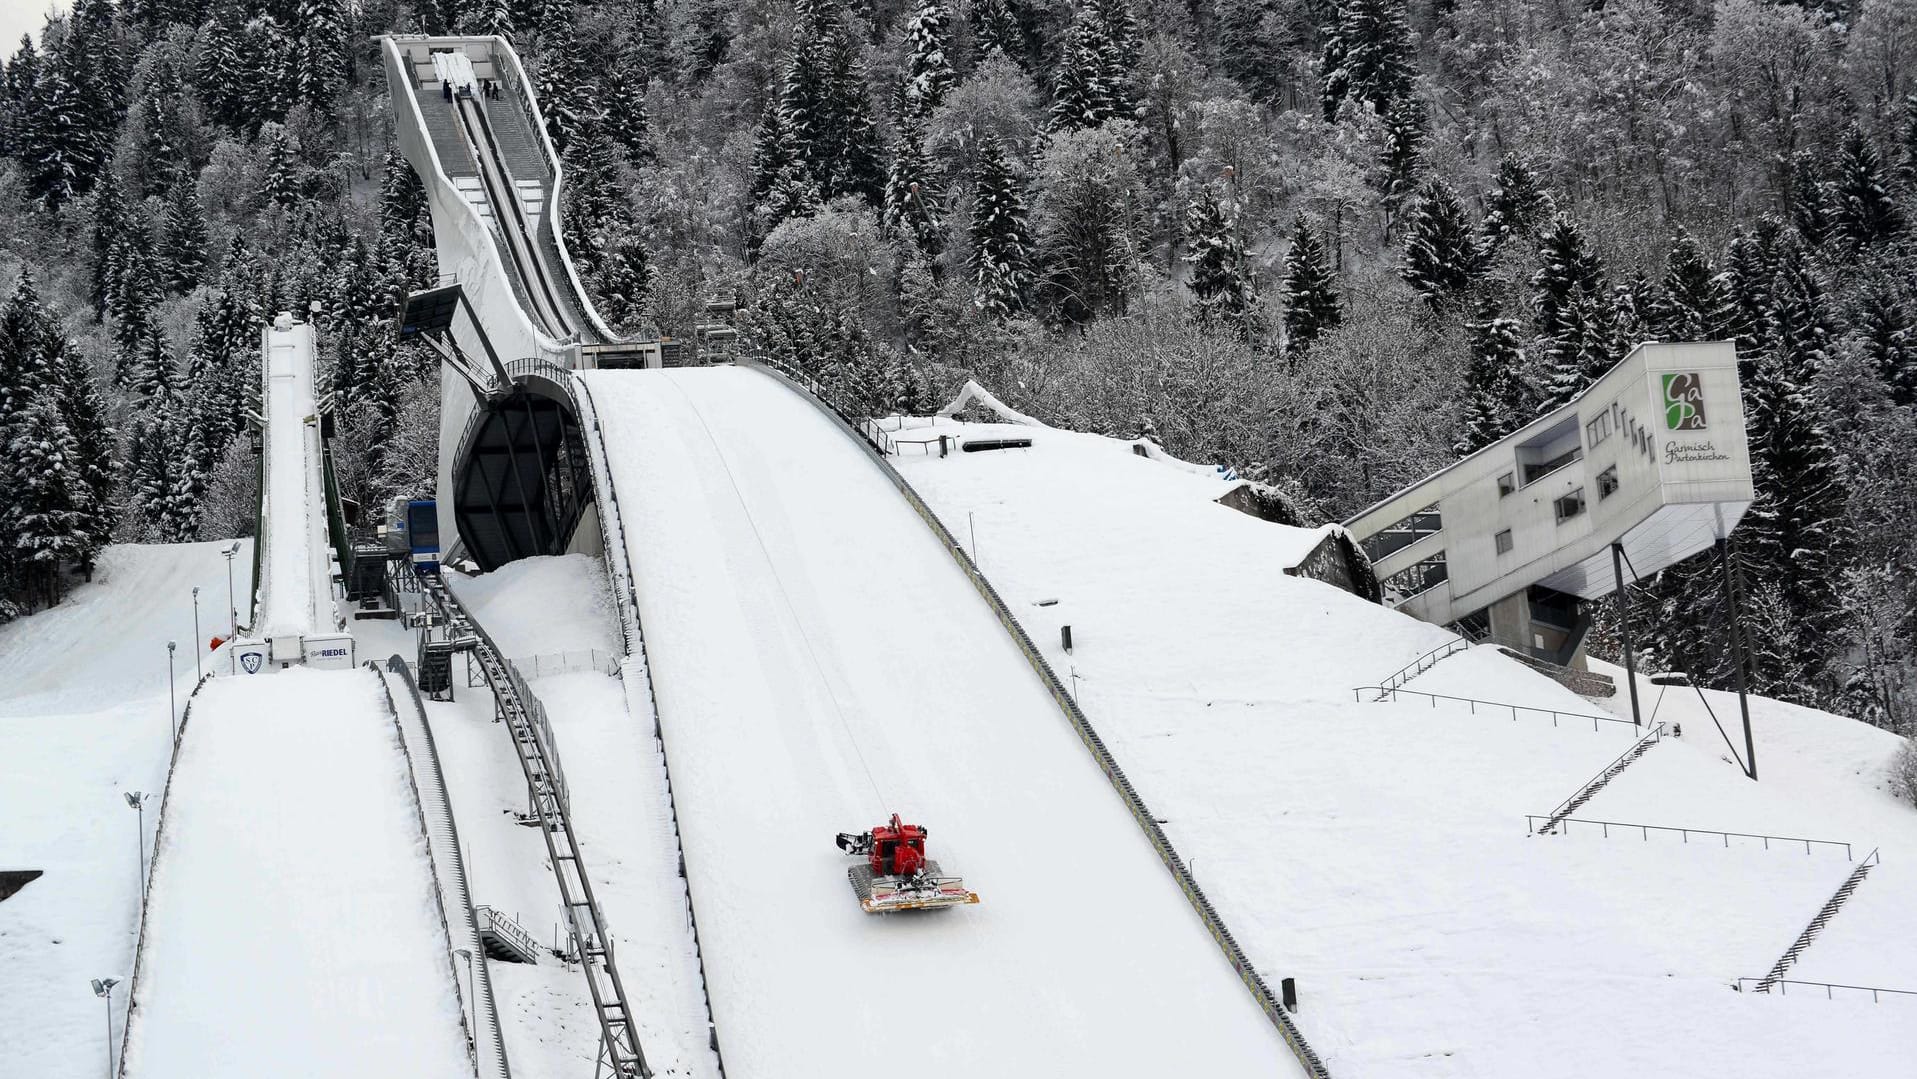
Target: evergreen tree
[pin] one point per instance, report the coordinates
(183, 239)
(914, 204)
(1812, 200)
(319, 62)
(165, 139)
(1096, 68)
(1864, 210)
(626, 122)
(1695, 303)
(108, 234)
(22, 100)
(46, 514)
(220, 74)
(1751, 269)
(824, 143)
(1222, 290)
(1441, 253)
(1497, 399)
(85, 414)
(136, 292)
(1258, 43)
(1310, 286)
(560, 80)
(1001, 238)
(1883, 330)
(995, 26)
(58, 149)
(1573, 313)
(1401, 161)
(1367, 56)
(928, 64)
(1517, 207)
(496, 18)
(156, 378)
(282, 187)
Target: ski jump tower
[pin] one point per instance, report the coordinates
(509, 317)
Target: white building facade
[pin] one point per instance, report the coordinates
(1652, 457)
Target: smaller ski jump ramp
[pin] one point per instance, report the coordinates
(292, 926)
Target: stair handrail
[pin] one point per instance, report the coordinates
(1817, 922)
(1530, 820)
(489, 917)
(1873, 990)
(1424, 663)
(1651, 738)
(1389, 692)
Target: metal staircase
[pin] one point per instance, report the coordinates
(619, 1045)
(504, 938)
(1597, 782)
(1824, 914)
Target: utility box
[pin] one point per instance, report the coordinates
(285, 650)
(249, 657)
(329, 652)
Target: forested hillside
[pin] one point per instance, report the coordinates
(1332, 243)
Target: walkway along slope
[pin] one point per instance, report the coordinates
(819, 663)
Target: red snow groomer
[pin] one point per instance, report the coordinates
(896, 874)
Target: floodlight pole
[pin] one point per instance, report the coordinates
(232, 605)
(138, 802)
(172, 702)
(1624, 629)
(197, 675)
(103, 988)
(1737, 655)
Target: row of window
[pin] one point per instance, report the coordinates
(1568, 506)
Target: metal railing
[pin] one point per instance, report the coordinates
(1531, 819)
(551, 663)
(1423, 663)
(1391, 693)
(1148, 823)
(491, 920)
(1604, 775)
(1830, 988)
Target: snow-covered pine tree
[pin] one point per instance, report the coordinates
(928, 62)
(1573, 310)
(183, 240)
(1097, 68)
(1864, 211)
(27, 332)
(156, 378)
(220, 73)
(1367, 55)
(1223, 293)
(162, 156)
(1796, 535)
(1695, 303)
(1401, 160)
(281, 186)
(625, 119)
(107, 232)
(59, 150)
(1310, 287)
(496, 18)
(1001, 238)
(1517, 207)
(1812, 200)
(1750, 271)
(1442, 256)
(914, 201)
(1497, 398)
(622, 283)
(825, 120)
(319, 62)
(136, 292)
(46, 512)
(560, 80)
(1882, 328)
(85, 413)
(995, 26)
(265, 88)
(21, 98)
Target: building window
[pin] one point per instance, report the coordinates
(1396, 537)
(1504, 541)
(1414, 579)
(1598, 430)
(1607, 483)
(1507, 483)
(1570, 505)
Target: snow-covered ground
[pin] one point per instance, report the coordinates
(295, 592)
(1378, 852)
(616, 782)
(83, 721)
(820, 662)
(292, 916)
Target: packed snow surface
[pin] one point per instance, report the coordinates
(292, 924)
(820, 663)
(294, 586)
(1378, 852)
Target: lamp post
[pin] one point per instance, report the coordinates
(103, 988)
(196, 633)
(138, 802)
(232, 605)
(467, 955)
(172, 704)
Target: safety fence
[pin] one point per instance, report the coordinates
(450, 886)
(1757, 840)
(1831, 989)
(1557, 717)
(1147, 822)
(550, 663)
(146, 887)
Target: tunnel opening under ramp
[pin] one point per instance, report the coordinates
(522, 483)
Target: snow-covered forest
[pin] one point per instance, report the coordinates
(1331, 243)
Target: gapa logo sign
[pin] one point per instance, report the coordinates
(1684, 402)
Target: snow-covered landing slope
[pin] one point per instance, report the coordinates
(293, 927)
(820, 662)
(1378, 852)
